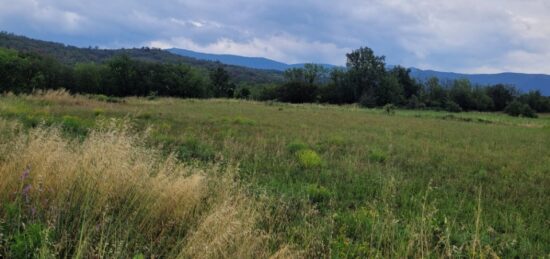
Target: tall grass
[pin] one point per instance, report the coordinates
(109, 196)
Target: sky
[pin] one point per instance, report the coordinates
(467, 36)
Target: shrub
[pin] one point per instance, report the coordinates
(390, 109)
(517, 108)
(309, 158)
(296, 146)
(451, 106)
(528, 112)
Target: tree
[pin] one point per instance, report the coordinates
(294, 75)
(389, 91)
(122, 77)
(536, 101)
(297, 92)
(461, 94)
(480, 100)
(501, 95)
(366, 71)
(409, 84)
(434, 94)
(221, 87)
(313, 73)
(340, 90)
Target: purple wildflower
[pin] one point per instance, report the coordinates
(26, 173)
(26, 191)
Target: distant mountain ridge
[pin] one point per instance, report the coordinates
(250, 62)
(524, 82)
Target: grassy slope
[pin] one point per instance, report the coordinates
(417, 183)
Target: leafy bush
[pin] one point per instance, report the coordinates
(390, 109)
(451, 106)
(309, 158)
(517, 108)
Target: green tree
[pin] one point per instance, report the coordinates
(221, 87)
(434, 94)
(501, 95)
(409, 84)
(366, 71)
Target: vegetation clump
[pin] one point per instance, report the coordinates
(517, 108)
(308, 158)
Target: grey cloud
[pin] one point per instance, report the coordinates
(464, 36)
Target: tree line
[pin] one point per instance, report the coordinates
(366, 80)
(120, 76)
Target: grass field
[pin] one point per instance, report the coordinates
(321, 181)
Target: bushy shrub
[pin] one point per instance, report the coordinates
(451, 106)
(517, 109)
(390, 109)
(309, 158)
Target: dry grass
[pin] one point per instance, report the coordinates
(109, 196)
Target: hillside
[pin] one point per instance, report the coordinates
(524, 82)
(71, 55)
(250, 62)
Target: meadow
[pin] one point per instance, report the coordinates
(167, 177)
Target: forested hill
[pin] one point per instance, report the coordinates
(71, 55)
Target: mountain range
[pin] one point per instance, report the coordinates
(524, 82)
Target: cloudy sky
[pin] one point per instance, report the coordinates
(473, 36)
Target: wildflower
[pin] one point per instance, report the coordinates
(26, 191)
(26, 173)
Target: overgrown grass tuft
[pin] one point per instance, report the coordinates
(111, 196)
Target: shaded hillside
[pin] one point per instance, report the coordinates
(250, 62)
(71, 55)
